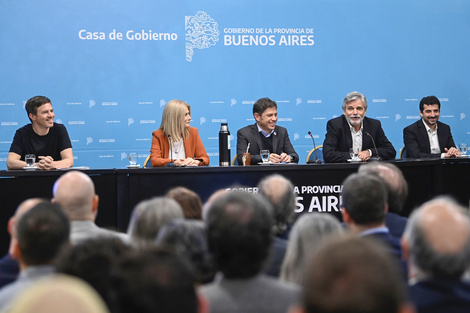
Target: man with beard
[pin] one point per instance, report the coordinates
(429, 138)
(354, 130)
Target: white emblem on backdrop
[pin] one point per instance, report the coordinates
(296, 136)
(92, 103)
(233, 102)
(123, 156)
(58, 121)
(162, 102)
(202, 120)
(201, 33)
(89, 140)
(298, 101)
(462, 116)
(130, 121)
(397, 117)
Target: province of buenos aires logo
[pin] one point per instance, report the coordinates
(201, 33)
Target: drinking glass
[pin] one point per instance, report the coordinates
(133, 158)
(463, 147)
(264, 155)
(354, 153)
(30, 159)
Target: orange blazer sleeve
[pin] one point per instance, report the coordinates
(160, 149)
(193, 147)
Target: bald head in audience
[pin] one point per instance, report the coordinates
(437, 240)
(75, 192)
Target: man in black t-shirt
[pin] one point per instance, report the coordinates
(48, 141)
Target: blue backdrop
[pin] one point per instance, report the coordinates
(110, 66)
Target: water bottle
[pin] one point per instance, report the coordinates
(224, 145)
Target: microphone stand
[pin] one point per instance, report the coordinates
(377, 158)
(171, 164)
(316, 160)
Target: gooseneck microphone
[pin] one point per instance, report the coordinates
(171, 164)
(316, 160)
(377, 158)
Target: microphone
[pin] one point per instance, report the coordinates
(171, 164)
(377, 158)
(316, 160)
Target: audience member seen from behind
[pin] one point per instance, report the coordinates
(148, 217)
(155, 280)
(279, 192)
(436, 244)
(41, 232)
(60, 294)
(363, 210)
(189, 201)
(354, 130)
(397, 189)
(188, 238)
(239, 236)
(175, 141)
(308, 232)
(265, 135)
(93, 261)
(48, 141)
(351, 274)
(9, 267)
(75, 192)
(429, 138)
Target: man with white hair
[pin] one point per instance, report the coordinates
(436, 244)
(75, 192)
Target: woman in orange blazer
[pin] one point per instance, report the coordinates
(186, 145)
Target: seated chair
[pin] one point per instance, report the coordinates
(402, 153)
(319, 154)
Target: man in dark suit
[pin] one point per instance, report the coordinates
(363, 210)
(429, 138)
(354, 130)
(437, 245)
(265, 135)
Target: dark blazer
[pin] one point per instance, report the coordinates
(417, 144)
(338, 140)
(435, 296)
(250, 134)
(393, 246)
(396, 224)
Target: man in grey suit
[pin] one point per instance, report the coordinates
(239, 237)
(75, 192)
(429, 138)
(265, 135)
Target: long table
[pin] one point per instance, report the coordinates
(318, 187)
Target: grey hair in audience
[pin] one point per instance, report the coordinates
(422, 251)
(395, 182)
(308, 232)
(279, 191)
(148, 217)
(188, 239)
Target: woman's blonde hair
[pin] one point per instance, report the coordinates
(173, 119)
